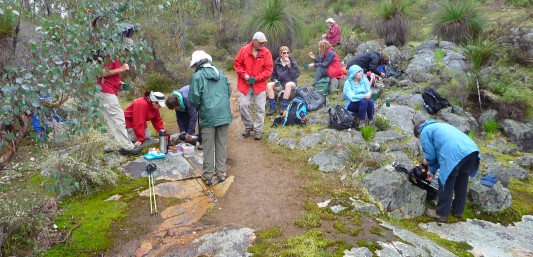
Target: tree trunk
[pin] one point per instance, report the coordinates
(12, 146)
(17, 29)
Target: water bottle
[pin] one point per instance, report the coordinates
(163, 141)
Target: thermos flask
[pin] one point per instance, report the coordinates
(163, 141)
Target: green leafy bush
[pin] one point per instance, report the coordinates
(6, 23)
(458, 20)
(159, 82)
(201, 34)
(381, 122)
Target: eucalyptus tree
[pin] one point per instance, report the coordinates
(64, 62)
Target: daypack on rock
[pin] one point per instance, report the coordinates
(322, 86)
(340, 118)
(433, 102)
(432, 190)
(296, 113)
(313, 99)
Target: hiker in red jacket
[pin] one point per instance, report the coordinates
(329, 65)
(254, 66)
(334, 34)
(140, 111)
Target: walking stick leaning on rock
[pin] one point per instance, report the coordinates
(150, 169)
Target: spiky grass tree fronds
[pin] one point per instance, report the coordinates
(394, 24)
(458, 21)
(280, 25)
(480, 51)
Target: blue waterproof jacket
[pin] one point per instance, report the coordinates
(355, 92)
(444, 147)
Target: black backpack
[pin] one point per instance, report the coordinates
(433, 102)
(340, 118)
(313, 99)
(296, 113)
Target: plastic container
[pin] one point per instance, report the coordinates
(188, 150)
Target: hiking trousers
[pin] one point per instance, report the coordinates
(457, 183)
(364, 109)
(246, 113)
(114, 116)
(214, 142)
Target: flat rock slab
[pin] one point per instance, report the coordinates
(489, 239)
(172, 168)
(421, 246)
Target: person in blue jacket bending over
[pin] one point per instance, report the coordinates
(456, 156)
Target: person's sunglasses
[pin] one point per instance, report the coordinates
(285, 53)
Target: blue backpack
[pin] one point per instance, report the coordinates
(296, 113)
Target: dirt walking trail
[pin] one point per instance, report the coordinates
(265, 190)
(264, 193)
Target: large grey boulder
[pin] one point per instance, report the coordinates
(311, 141)
(332, 159)
(459, 118)
(526, 161)
(398, 197)
(521, 134)
(411, 100)
(496, 198)
(372, 45)
(504, 174)
(387, 136)
(400, 116)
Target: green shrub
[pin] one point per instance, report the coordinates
(523, 3)
(382, 123)
(368, 133)
(458, 20)
(160, 83)
(480, 51)
(201, 34)
(394, 24)
(6, 23)
(472, 134)
(492, 127)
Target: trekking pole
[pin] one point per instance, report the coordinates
(151, 187)
(150, 192)
(153, 193)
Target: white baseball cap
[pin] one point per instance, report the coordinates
(330, 20)
(158, 97)
(260, 36)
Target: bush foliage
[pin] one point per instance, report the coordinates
(458, 20)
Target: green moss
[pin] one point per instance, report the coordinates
(458, 248)
(94, 217)
(340, 227)
(312, 243)
(270, 233)
(377, 231)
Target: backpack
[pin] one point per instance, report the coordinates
(313, 99)
(296, 113)
(322, 86)
(433, 102)
(415, 179)
(340, 118)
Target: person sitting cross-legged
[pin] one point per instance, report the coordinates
(285, 72)
(358, 96)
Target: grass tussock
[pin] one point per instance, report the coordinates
(458, 20)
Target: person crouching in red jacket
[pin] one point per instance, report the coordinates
(140, 111)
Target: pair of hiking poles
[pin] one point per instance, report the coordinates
(150, 169)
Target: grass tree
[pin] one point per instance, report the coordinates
(393, 25)
(458, 20)
(280, 25)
